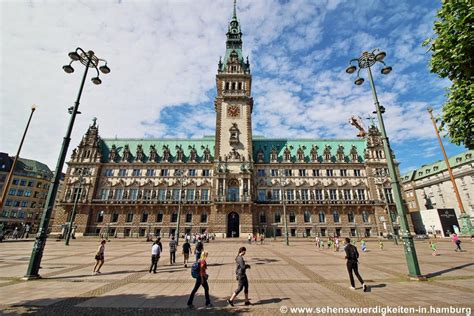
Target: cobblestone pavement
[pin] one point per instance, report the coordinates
(296, 276)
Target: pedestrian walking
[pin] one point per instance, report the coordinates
(433, 248)
(186, 252)
(155, 256)
(27, 230)
(249, 237)
(198, 249)
(352, 256)
(262, 238)
(336, 242)
(321, 244)
(381, 244)
(172, 245)
(198, 271)
(317, 242)
(99, 258)
(363, 245)
(15, 233)
(457, 242)
(241, 277)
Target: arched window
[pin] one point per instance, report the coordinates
(350, 217)
(159, 217)
(335, 216)
(204, 217)
(307, 217)
(174, 217)
(365, 216)
(322, 217)
(189, 217)
(292, 217)
(277, 217)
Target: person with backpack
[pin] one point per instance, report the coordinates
(199, 249)
(172, 245)
(155, 255)
(241, 277)
(186, 252)
(198, 271)
(352, 256)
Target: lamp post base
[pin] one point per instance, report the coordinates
(466, 225)
(417, 277)
(31, 277)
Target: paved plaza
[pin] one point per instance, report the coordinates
(295, 276)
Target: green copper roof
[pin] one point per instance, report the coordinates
(439, 166)
(173, 144)
(266, 145)
(32, 168)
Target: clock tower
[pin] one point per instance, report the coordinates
(233, 104)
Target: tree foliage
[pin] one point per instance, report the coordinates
(453, 58)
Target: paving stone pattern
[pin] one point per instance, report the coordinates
(300, 275)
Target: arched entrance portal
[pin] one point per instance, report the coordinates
(233, 225)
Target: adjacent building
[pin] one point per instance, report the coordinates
(430, 195)
(232, 183)
(26, 196)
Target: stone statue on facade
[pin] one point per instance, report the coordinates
(126, 154)
(153, 154)
(340, 153)
(113, 153)
(166, 153)
(354, 154)
(314, 153)
(179, 153)
(192, 153)
(140, 154)
(327, 153)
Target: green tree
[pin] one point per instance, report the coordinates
(452, 58)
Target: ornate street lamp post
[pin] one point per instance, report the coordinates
(366, 61)
(283, 202)
(73, 212)
(6, 185)
(180, 174)
(89, 60)
(466, 225)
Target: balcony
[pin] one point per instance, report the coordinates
(148, 201)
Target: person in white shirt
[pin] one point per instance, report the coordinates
(155, 256)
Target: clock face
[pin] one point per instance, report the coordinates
(233, 111)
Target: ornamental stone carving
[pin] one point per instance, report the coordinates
(273, 155)
(126, 154)
(166, 153)
(340, 153)
(327, 153)
(354, 154)
(192, 153)
(179, 153)
(113, 154)
(153, 154)
(314, 153)
(207, 154)
(140, 155)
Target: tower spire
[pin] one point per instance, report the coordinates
(234, 17)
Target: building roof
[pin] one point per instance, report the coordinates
(259, 144)
(27, 167)
(439, 166)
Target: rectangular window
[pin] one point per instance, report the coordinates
(206, 172)
(288, 173)
(356, 172)
(159, 217)
(30, 183)
(144, 217)
(133, 194)
(304, 195)
(343, 173)
(24, 203)
(147, 194)
(205, 195)
(109, 172)
(361, 194)
(290, 195)
(23, 183)
(174, 217)
(190, 195)
(16, 203)
(27, 193)
(203, 217)
(315, 172)
(333, 194)
(261, 195)
(318, 194)
(347, 194)
(104, 194)
(119, 194)
(8, 202)
(191, 172)
(176, 193)
(263, 218)
(276, 194)
(162, 195)
(261, 172)
(329, 172)
(274, 172)
(164, 172)
(122, 172)
(277, 218)
(129, 217)
(388, 195)
(12, 192)
(292, 217)
(15, 181)
(19, 193)
(115, 217)
(150, 172)
(302, 172)
(136, 172)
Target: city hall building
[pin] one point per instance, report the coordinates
(232, 183)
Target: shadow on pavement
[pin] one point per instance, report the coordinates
(376, 286)
(438, 273)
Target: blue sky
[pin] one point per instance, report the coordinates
(164, 55)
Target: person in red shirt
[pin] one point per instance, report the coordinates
(201, 280)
